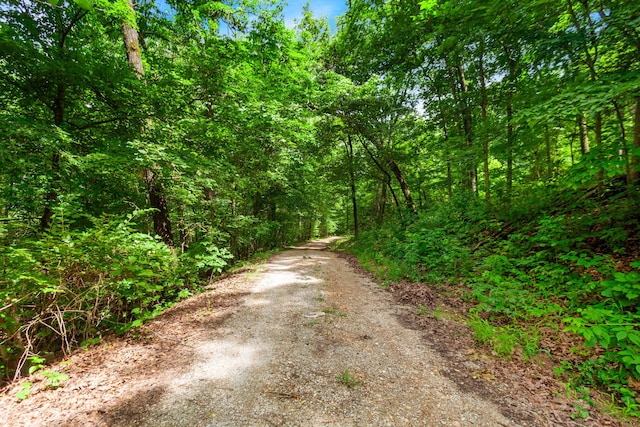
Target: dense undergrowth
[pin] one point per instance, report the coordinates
(72, 285)
(568, 266)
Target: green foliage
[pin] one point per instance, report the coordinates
(431, 248)
(25, 390)
(54, 379)
(85, 4)
(69, 286)
(213, 149)
(37, 364)
(334, 311)
(504, 340)
(580, 412)
(205, 257)
(422, 311)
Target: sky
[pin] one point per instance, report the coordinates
(293, 10)
(320, 8)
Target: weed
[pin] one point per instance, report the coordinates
(562, 369)
(422, 310)
(53, 379)
(319, 299)
(90, 342)
(482, 330)
(25, 391)
(504, 339)
(334, 311)
(529, 341)
(37, 363)
(580, 412)
(439, 313)
(504, 343)
(349, 379)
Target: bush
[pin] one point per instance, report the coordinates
(71, 286)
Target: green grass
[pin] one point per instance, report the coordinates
(334, 311)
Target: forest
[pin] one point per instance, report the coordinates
(489, 146)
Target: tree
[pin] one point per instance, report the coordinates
(155, 189)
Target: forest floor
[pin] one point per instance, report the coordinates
(306, 339)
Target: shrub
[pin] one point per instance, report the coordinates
(71, 286)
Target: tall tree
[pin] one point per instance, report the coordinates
(155, 189)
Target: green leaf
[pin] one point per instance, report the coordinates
(53, 379)
(634, 338)
(621, 277)
(54, 3)
(85, 4)
(146, 273)
(26, 390)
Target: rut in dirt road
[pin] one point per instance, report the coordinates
(279, 359)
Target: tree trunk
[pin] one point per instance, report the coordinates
(403, 185)
(155, 189)
(598, 138)
(547, 142)
(380, 201)
(52, 195)
(509, 151)
(183, 232)
(393, 194)
(445, 130)
(571, 149)
(623, 151)
(584, 133)
(46, 220)
(448, 161)
(352, 181)
(485, 138)
(390, 162)
(346, 207)
(472, 174)
(449, 177)
(635, 158)
(161, 222)
(131, 44)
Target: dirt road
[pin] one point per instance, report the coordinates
(265, 348)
